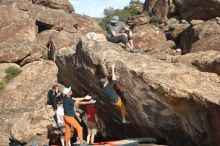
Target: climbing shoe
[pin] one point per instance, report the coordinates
(124, 121)
(134, 50)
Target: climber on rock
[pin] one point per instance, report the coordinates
(108, 90)
(69, 114)
(115, 34)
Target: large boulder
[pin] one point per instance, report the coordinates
(51, 17)
(187, 9)
(60, 39)
(166, 51)
(17, 37)
(176, 30)
(22, 103)
(59, 20)
(196, 9)
(172, 101)
(21, 51)
(138, 20)
(161, 8)
(21, 4)
(148, 36)
(201, 37)
(56, 4)
(15, 24)
(86, 24)
(205, 61)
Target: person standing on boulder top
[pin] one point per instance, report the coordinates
(69, 114)
(115, 35)
(108, 90)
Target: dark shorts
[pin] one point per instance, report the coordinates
(118, 39)
(61, 128)
(92, 127)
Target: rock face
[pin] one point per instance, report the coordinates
(188, 9)
(21, 4)
(29, 29)
(17, 35)
(169, 96)
(56, 4)
(22, 21)
(23, 110)
(204, 61)
(204, 10)
(201, 37)
(138, 20)
(163, 99)
(148, 36)
(161, 8)
(20, 51)
(16, 23)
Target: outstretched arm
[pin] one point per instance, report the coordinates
(78, 99)
(113, 72)
(85, 102)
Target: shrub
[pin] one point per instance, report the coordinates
(155, 20)
(45, 56)
(2, 85)
(12, 72)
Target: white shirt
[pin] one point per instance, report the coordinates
(60, 112)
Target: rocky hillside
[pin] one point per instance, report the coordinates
(168, 95)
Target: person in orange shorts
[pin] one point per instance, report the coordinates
(69, 114)
(108, 90)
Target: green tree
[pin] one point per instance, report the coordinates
(123, 15)
(108, 11)
(133, 3)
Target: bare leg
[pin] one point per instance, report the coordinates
(67, 143)
(62, 140)
(129, 46)
(131, 42)
(88, 138)
(92, 138)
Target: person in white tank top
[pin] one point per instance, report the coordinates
(60, 122)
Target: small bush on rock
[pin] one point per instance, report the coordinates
(154, 20)
(2, 85)
(12, 72)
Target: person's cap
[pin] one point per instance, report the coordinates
(102, 82)
(66, 90)
(115, 19)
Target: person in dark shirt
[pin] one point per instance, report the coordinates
(54, 96)
(115, 34)
(69, 114)
(108, 90)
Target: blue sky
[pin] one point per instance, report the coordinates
(94, 8)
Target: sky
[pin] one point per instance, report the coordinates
(94, 8)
